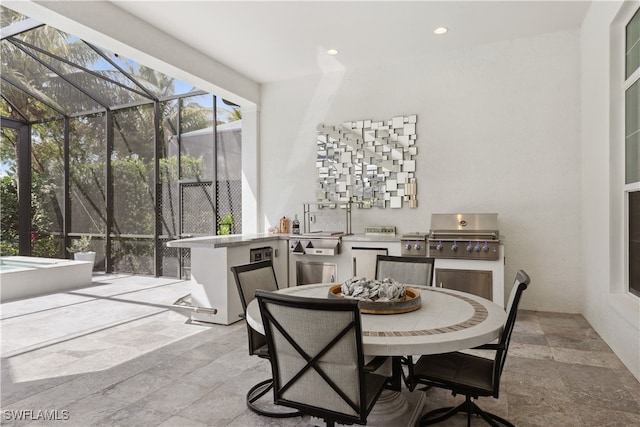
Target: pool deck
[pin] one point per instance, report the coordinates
(111, 299)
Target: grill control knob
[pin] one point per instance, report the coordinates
(418, 246)
(439, 246)
(454, 247)
(408, 246)
(470, 247)
(485, 248)
(477, 247)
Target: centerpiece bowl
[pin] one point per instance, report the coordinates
(411, 302)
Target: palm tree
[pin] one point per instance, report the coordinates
(41, 92)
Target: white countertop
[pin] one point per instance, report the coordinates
(371, 238)
(224, 241)
(245, 239)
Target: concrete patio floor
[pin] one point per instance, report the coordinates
(117, 354)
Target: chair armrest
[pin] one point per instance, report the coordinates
(375, 363)
(489, 347)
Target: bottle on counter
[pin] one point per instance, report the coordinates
(295, 225)
(284, 225)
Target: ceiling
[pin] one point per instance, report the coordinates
(270, 41)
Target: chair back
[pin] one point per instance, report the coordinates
(521, 283)
(315, 348)
(249, 278)
(406, 270)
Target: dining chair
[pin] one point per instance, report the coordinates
(249, 278)
(470, 375)
(408, 270)
(317, 359)
(411, 270)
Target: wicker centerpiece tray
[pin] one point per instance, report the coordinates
(412, 301)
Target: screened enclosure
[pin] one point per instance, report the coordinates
(94, 144)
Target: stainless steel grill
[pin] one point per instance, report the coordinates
(464, 236)
(414, 244)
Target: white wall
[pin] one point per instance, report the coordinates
(498, 131)
(613, 314)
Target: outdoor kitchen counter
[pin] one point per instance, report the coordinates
(214, 296)
(370, 238)
(245, 239)
(224, 241)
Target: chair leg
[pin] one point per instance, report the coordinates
(469, 407)
(491, 418)
(259, 390)
(407, 377)
(448, 412)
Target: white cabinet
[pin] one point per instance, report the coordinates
(361, 255)
(363, 261)
(214, 295)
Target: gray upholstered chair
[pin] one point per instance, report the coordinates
(249, 278)
(408, 270)
(316, 357)
(470, 375)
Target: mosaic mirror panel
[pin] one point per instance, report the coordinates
(369, 163)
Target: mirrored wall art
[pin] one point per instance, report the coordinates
(369, 163)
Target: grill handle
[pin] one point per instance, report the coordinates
(463, 233)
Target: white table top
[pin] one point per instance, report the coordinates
(447, 321)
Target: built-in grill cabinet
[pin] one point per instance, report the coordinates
(468, 254)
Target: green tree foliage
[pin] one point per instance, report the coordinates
(228, 114)
(132, 159)
(41, 245)
(9, 216)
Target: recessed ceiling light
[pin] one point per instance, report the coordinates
(332, 52)
(440, 30)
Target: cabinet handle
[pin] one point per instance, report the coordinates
(354, 268)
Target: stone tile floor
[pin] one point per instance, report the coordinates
(116, 354)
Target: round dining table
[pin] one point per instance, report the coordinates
(447, 320)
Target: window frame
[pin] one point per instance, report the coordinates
(628, 188)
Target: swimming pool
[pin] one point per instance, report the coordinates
(22, 277)
(17, 262)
